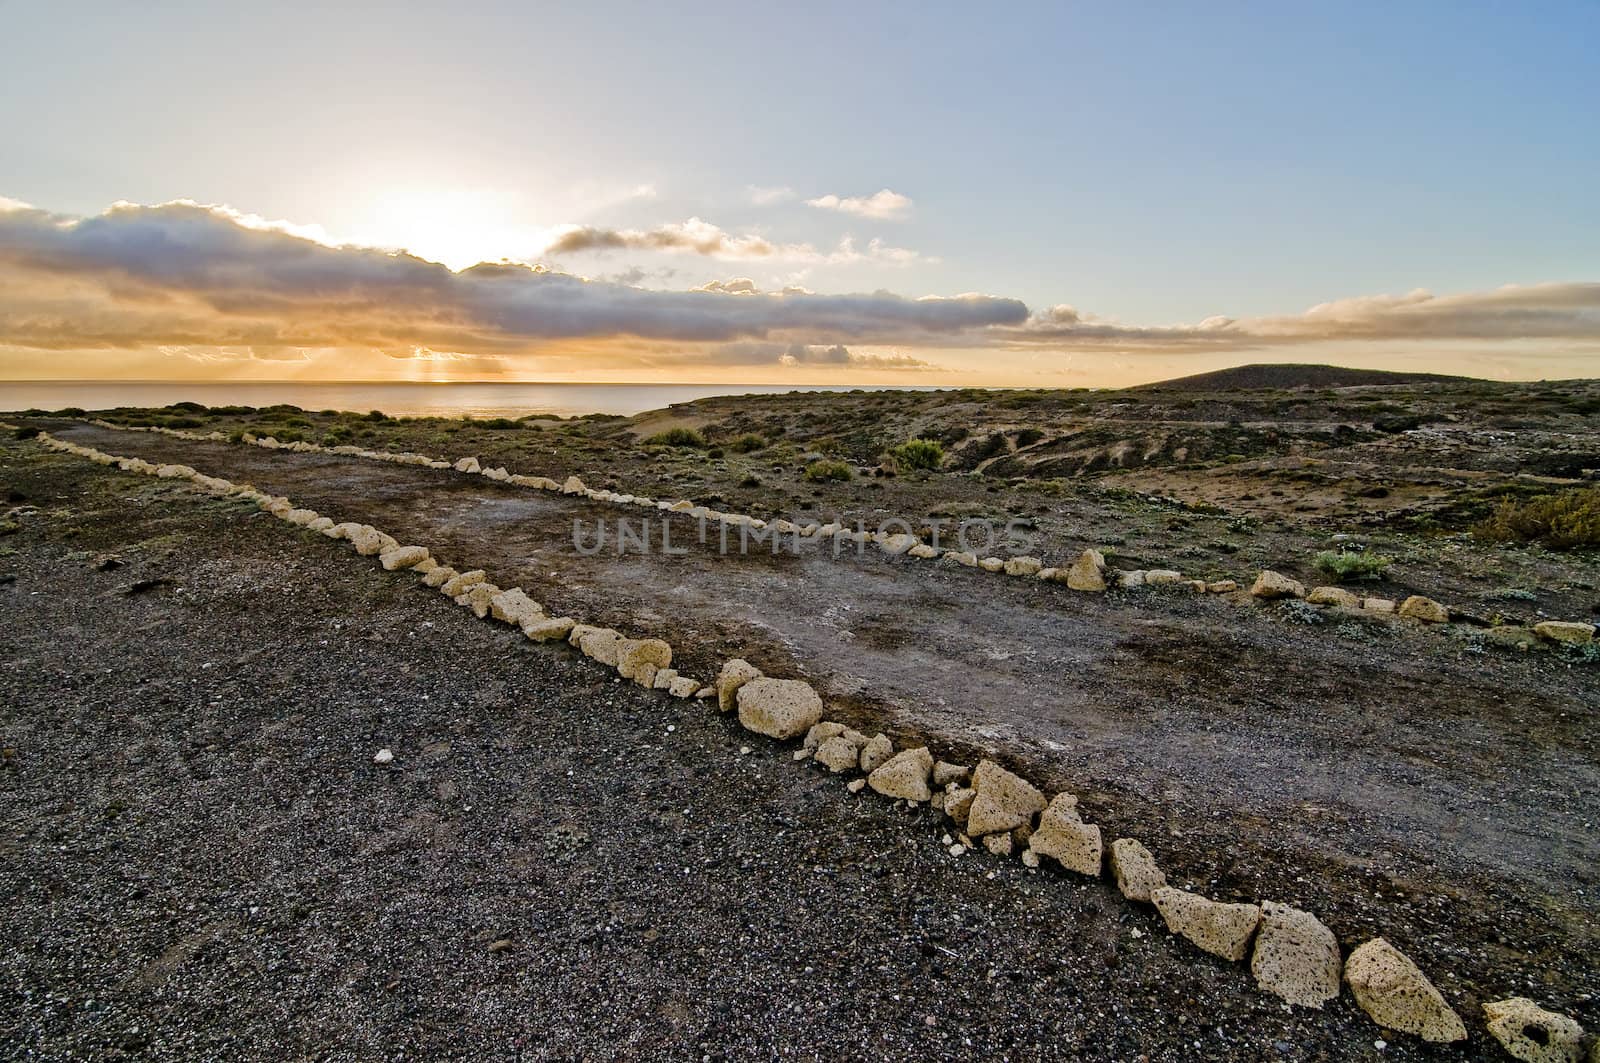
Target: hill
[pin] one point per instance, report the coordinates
(1248, 377)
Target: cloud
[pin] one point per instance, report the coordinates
(182, 274)
(826, 356)
(736, 286)
(1555, 311)
(883, 204)
(700, 237)
(768, 196)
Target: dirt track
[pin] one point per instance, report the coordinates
(1426, 789)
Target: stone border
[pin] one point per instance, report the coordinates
(1088, 572)
(1292, 954)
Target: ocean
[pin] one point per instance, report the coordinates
(396, 399)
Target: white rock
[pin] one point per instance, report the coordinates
(778, 708)
(383, 756)
(546, 629)
(1530, 1033)
(1135, 870)
(402, 557)
(514, 607)
(1088, 573)
(735, 673)
(601, 644)
(634, 654)
(440, 576)
(904, 775)
(1334, 596)
(1426, 610)
(1064, 835)
(1271, 585)
(876, 752)
(1296, 957)
(1023, 566)
(1572, 632)
(1396, 995)
(1003, 801)
(457, 585)
(1221, 929)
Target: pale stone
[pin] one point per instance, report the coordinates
(1023, 566)
(945, 773)
(573, 486)
(1030, 858)
(1296, 957)
(1378, 605)
(998, 844)
(1218, 928)
(837, 754)
(369, 541)
(876, 752)
(402, 557)
(904, 775)
(1222, 586)
(1426, 610)
(478, 597)
(1334, 596)
(321, 524)
(1396, 994)
(964, 558)
(684, 687)
(439, 577)
(468, 465)
(1064, 835)
(1135, 870)
(855, 786)
(735, 673)
(1530, 1033)
(514, 607)
(778, 708)
(1162, 577)
(663, 678)
(992, 564)
(633, 654)
(1271, 584)
(425, 566)
(895, 545)
(601, 644)
(1003, 801)
(923, 551)
(302, 517)
(958, 803)
(458, 584)
(820, 733)
(1088, 573)
(1130, 580)
(1572, 632)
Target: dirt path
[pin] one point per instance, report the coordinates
(1425, 787)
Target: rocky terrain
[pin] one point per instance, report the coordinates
(1432, 784)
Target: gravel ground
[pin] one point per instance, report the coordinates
(202, 860)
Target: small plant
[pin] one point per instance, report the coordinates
(824, 471)
(498, 423)
(747, 443)
(377, 415)
(1344, 566)
(1566, 521)
(1299, 612)
(26, 433)
(677, 437)
(918, 454)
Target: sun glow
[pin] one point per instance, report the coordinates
(459, 227)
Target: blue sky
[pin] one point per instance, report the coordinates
(1150, 164)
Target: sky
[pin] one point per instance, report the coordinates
(1041, 195)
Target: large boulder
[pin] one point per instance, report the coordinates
(1573, 632)
(1002, 801)
(1088, 573)
(778, 708)
(1530, 1033)
(735, 674)
(904, 775)
(1221, 929)
(1270, 585)
(1135, 870)
(1426, 610)
(1296, 957)
(1064, 835)
(634, 654)
(1395, 994)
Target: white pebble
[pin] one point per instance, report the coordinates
(382, 756)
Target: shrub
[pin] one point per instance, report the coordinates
(1028, 437)
(747, 443)
(1569, 520)
(377, 415)
(918, 454)
(29, 432)
(1350, 566)
(677, 437)
(822, 471)
(184, 422)
(498, 423)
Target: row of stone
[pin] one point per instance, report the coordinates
(1088, 572)
(1271, 586)
(1292, 953)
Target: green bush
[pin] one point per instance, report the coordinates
(677, 437)
(28, 432)
(822, 471)
(1569, 520)
(917, 454)
(747, 443)
(1351, 566)
(498, 423)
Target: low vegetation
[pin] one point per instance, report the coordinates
(1352, 565)
(1569, 520)
(678, 437)
(747, 443)
(824, 471)
(917, 454)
